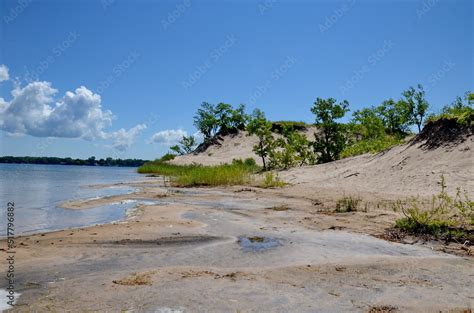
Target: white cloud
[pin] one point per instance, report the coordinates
(34, 111)
(123, 139)
(4, 73)
(168, 137)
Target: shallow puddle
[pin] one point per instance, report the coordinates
(257, 243)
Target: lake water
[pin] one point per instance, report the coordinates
(37, 190)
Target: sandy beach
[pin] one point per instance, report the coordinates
(238, 249)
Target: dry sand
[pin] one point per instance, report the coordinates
(403, 171)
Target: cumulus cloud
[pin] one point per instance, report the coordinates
(168, 137)
(123, 139)
(4, 73)
(34, 111)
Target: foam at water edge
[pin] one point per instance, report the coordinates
(3, 300)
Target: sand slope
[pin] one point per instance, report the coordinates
(238, 146)
(404, 170)
(410, 169)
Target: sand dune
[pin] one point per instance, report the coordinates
(238, 146)
(410, 169)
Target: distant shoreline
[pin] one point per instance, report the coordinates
(92, 161)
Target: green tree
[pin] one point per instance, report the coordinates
(470, 97)
(259, 126)
(395, 116)
(186, 145)
(206, 121)
(330, 139)
(369, 123)
(417, 105)
(91, 160)
(223, 113)
(222, 119)
(239, 118)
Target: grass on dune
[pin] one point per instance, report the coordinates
(445, 216)
(371, 146)
(237, 173)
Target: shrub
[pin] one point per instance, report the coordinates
(283, 156)
(294, 149)
(347, 204)
(186, 145)
(250, 162)
(166, 157)
(281, 126)
(271, 180)
(461, 111)
(445, 216)
(261, 127)
(370, 146)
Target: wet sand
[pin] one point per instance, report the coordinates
(238, 249)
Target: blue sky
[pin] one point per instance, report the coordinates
(153, 62)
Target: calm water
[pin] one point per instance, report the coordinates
(37, 190)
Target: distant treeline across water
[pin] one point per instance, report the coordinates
(92, 161)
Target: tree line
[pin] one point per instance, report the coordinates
(370, 129)
(92, 161)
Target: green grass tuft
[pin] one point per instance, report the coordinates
(347, 204)
(446, 216)
(237, 173)
(271, 180)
